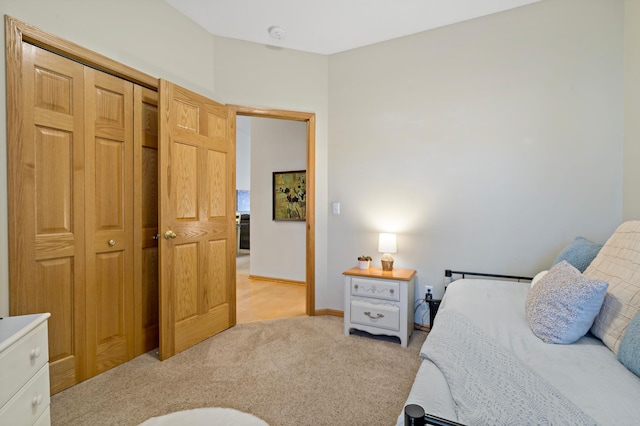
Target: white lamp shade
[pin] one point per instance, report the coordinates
(387, 243)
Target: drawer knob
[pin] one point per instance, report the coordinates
(378, 316)
(36, 400)
(355, 286)
(391, 291)
(35, 353)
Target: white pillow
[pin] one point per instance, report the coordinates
(618, 263)
(539, 275)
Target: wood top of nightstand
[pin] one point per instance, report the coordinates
(372, 272)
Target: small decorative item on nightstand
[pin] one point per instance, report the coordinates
(386, 245)
(364, 261)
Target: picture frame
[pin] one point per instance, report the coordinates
(290, 195)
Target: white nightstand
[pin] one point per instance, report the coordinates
(379, 302)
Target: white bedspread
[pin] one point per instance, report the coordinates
(489, 384)
(586, 372)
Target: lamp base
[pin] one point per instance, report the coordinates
(387, 265)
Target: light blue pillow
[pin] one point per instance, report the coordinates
(561, 307)
(580, 253)
(629, 350)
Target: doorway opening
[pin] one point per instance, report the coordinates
(275, 260)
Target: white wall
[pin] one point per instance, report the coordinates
(277, 248)
(486, 145)
(243, 152)
(631, 194)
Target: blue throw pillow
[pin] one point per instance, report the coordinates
(629, 351)
(579, 253)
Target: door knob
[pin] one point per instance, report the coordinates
(112, 243)
(170, 235)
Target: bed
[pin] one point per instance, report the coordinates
(484, 361)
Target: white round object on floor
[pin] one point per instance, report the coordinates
(206, 416)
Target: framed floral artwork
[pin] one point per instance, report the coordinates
(290, 195)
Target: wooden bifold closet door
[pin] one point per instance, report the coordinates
(108, 220)
(77, 231)
(47, 252)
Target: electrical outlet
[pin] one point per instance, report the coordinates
(428, 292)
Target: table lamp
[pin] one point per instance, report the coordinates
(387, 245)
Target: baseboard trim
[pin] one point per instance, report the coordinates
(331, 312)
(277, 280)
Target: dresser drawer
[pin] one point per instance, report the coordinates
(380, 316)
(22, 360)
(44, 419)
(379, 289)
(30, 402)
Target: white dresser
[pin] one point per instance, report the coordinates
(24, 370)
(379, 302)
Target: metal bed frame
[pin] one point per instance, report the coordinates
(448, 273)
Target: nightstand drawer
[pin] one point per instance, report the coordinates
(379, 289)
(381, 316)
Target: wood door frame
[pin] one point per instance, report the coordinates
(310, 119)
(17, 31)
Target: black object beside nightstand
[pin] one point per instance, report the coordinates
(434, 304)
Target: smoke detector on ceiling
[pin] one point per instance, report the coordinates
(277, 33)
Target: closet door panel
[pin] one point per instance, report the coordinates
(147, 328)
(109, 220)
(53, 192)
(146, 219)
(55, 296)
(46, 199)
(109, 187)
(111, 326)
(53, 180)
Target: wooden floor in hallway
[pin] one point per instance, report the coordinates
(258, 300)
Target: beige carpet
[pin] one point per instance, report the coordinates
(295, 371)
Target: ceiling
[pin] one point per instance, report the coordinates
(332, 26)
